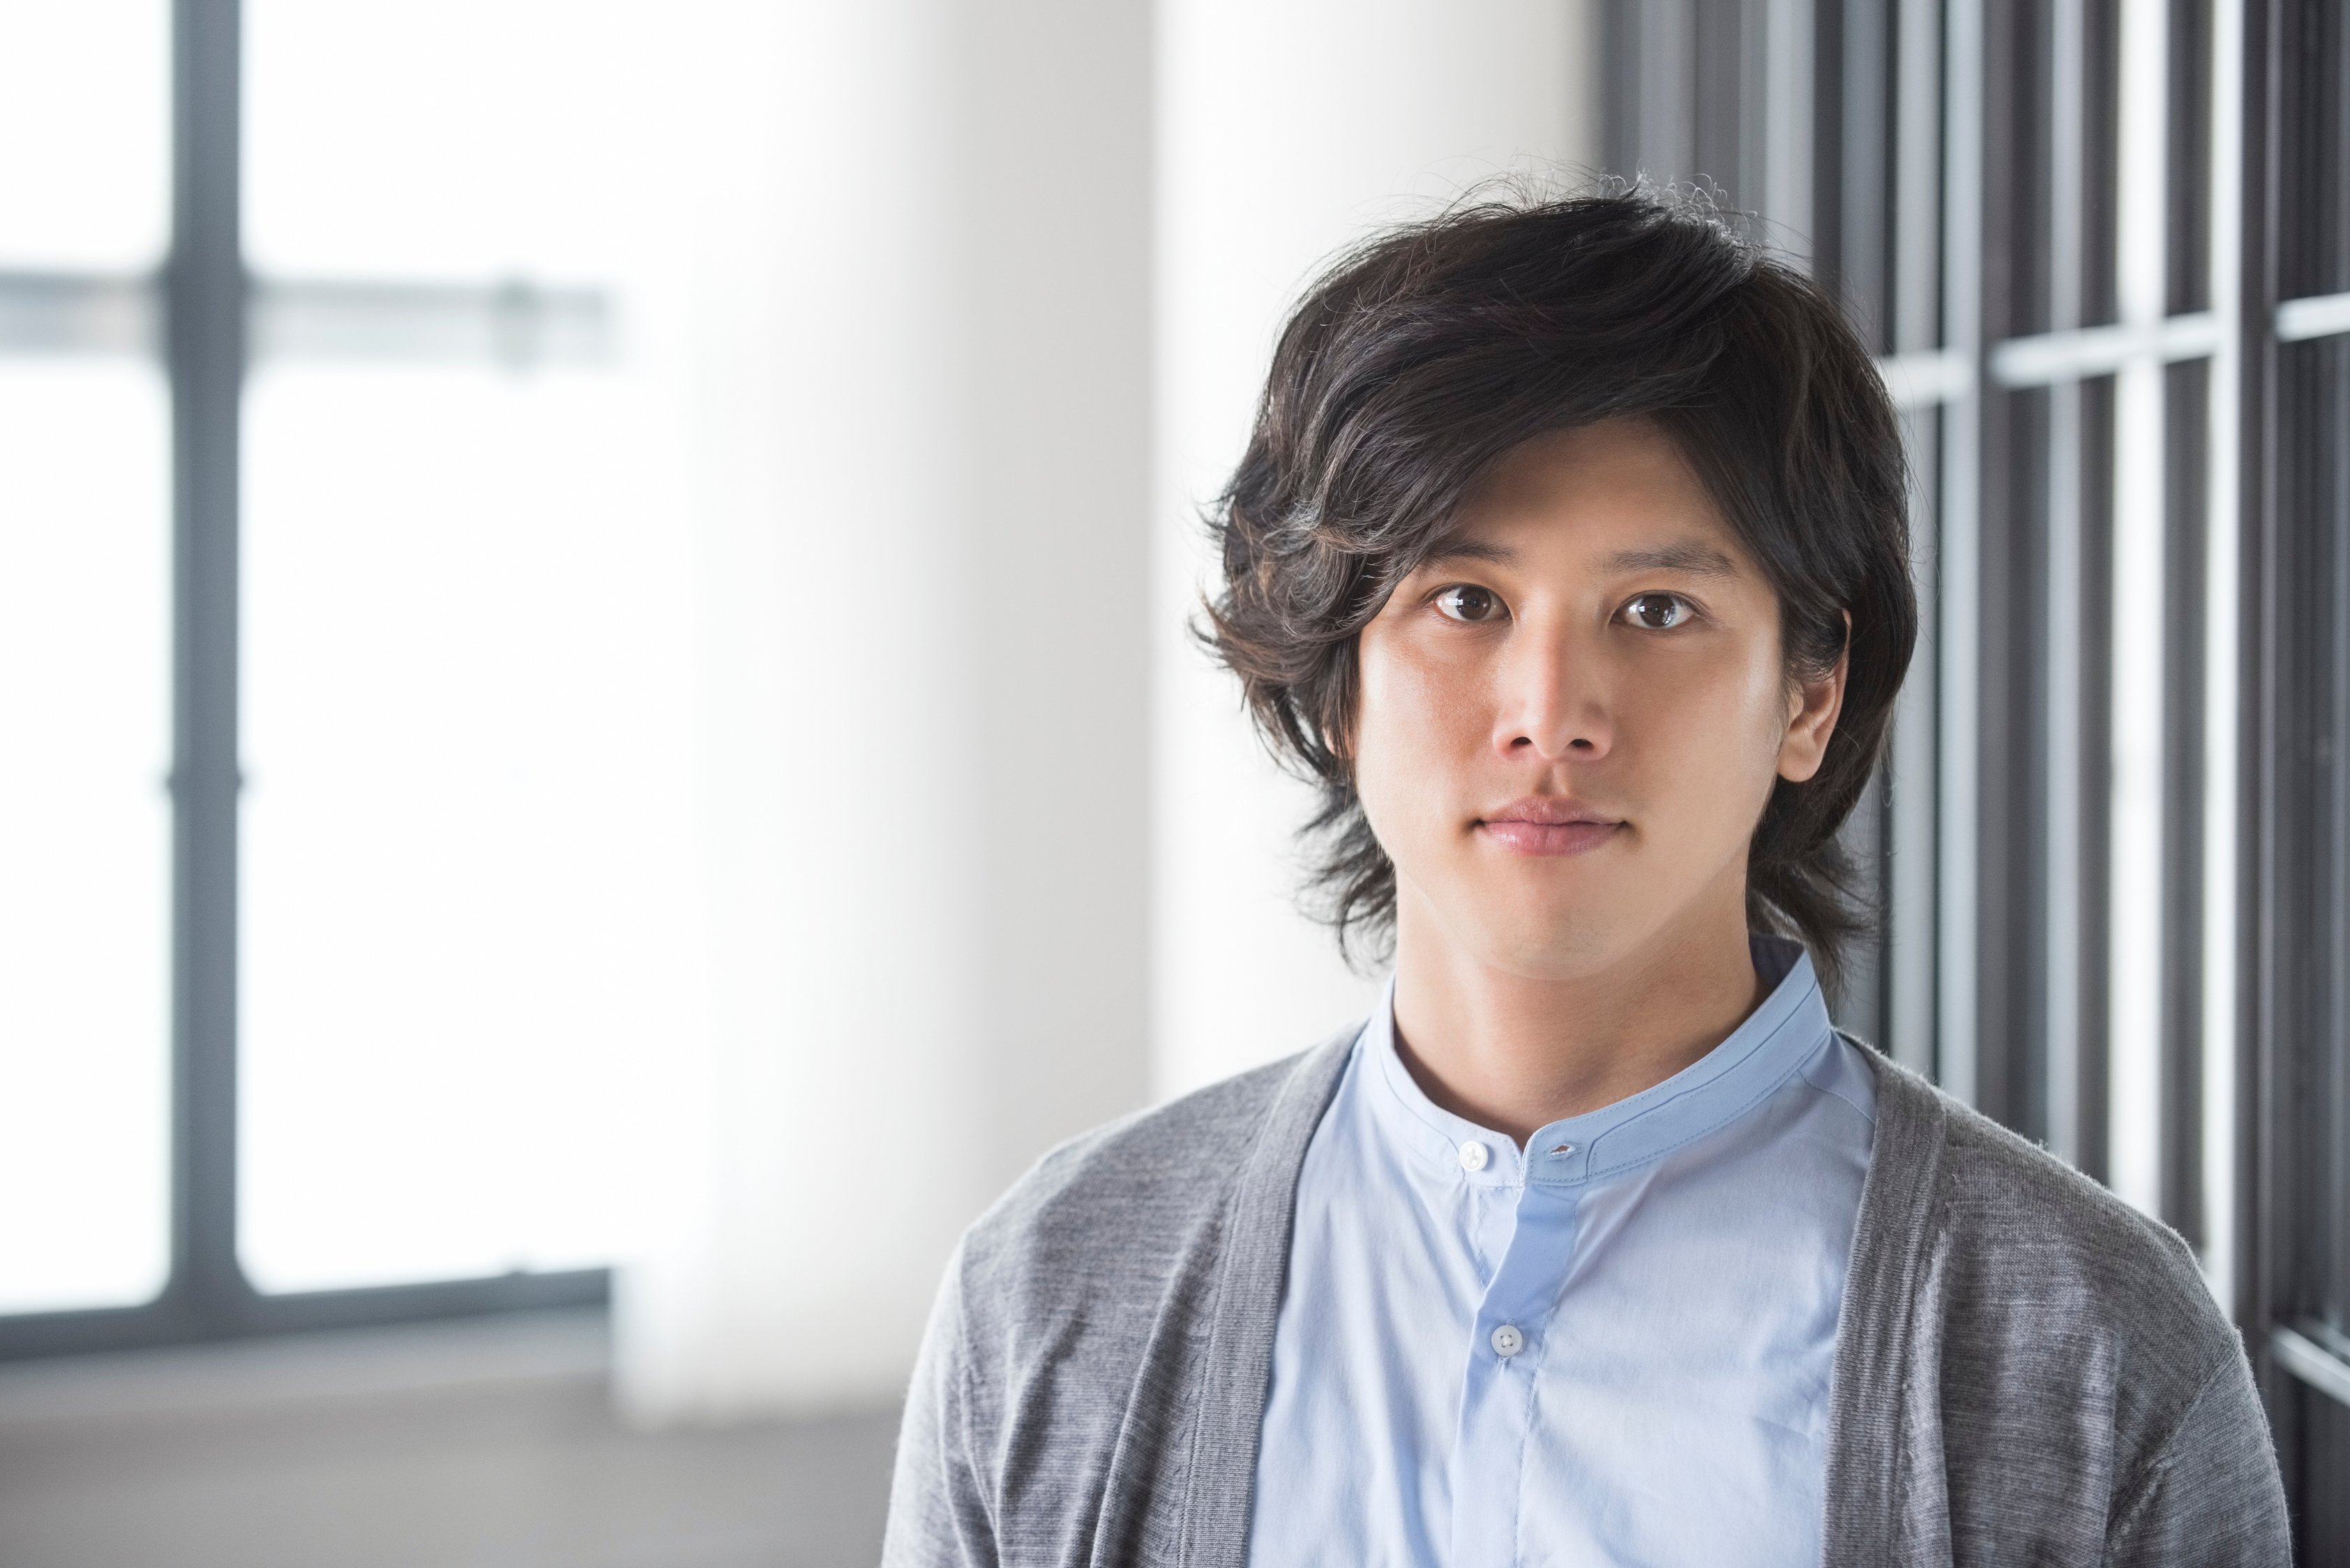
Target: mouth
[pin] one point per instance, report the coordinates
(1539, 825)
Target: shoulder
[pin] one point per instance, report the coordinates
(1159, 1164)
(2059, 1306)
(1106, 1221)
(2052, 1237)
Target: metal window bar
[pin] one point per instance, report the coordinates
(2316, 1355)
(517, 322)
(2138, 732)
(2319, 315)
(1958, 554)
(1929, 375)
(2223, 668)
(2063, 718)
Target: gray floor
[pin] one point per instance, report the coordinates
(481, 1446)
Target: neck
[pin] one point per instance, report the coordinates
(1514, 1051)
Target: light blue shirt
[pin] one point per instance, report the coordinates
(1611, 1348)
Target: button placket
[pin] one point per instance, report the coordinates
(1498, 1400)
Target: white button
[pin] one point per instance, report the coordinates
(1507, 1340)
(1473, 1156)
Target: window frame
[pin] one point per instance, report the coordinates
(204, 292)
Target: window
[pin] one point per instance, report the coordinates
(347, 617)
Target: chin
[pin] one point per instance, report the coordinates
(1545, 943)
(1548, 919)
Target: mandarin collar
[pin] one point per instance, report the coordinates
(1762, 1053)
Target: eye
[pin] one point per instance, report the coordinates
(1657, 612)
(1468, 602)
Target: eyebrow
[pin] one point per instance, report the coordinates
(1468, 550)
(1698, 560)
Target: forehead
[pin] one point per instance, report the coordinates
(1619, 488)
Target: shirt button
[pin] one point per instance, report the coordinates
(1507, 1340)
(1473, 1156)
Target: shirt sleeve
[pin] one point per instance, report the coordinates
(937, 1511)
(2212, 1495)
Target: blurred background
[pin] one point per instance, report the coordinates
(601, 747)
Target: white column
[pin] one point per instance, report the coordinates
(2134, 899)
(1055, 154)
(1958, 556)
(2061, 728)
(2222, 583)
(911, 337)
(813, 1141)
(1288, 128)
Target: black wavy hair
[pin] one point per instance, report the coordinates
(1423, 356)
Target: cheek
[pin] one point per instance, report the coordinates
(1716, 721)
(1416, 727)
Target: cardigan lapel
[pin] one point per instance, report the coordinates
(1883, 1419)
(1235, 1371)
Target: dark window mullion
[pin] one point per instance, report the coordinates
(2185, 440)
(2010, 974)
(204, 339)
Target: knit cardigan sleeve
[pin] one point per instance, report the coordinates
(2211, 1495)
(938, 1507)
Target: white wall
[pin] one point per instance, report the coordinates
(1287, 128)
(918, 356)
(1054, 158)
(812, 1168)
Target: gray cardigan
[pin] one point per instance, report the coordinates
(2027, 1370)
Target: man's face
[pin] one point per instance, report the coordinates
(1571, 721)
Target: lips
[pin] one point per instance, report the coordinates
(1539, 825)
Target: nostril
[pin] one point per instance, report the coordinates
(1578, 745)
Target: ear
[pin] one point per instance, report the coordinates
(1816, 704)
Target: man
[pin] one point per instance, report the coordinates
(1569, 559)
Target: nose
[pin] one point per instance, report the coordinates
(1552, 698)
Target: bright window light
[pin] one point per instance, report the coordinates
(447, 140)
(467, 660)
(85, 834)
(84, 172)
(465, 820)
(85, 679)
